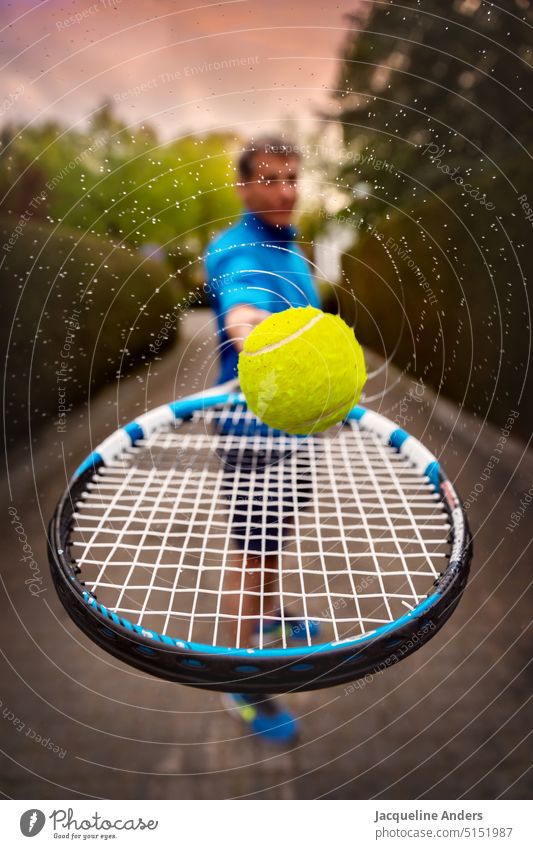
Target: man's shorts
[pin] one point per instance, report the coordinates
(264, 488)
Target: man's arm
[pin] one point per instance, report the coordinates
(241, 320)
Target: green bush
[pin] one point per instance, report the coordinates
(78, 311)
(466, 329)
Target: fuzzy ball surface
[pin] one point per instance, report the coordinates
(302, 370)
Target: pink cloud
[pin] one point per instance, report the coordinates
(180, 65)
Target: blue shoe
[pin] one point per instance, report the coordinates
(294, 630)
(263, 716)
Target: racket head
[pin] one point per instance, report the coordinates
(380, 498)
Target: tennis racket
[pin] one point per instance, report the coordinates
(359, 526)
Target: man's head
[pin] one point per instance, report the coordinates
(268, 173)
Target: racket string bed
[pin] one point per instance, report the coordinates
(154, 534)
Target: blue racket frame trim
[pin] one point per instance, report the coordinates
(266, 670)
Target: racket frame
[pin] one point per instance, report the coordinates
(265, 670)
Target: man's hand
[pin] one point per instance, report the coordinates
(240, 321)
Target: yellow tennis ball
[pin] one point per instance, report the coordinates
(302, 370)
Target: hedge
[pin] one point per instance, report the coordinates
(78, 311)
(448, 305)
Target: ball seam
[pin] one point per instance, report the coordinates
(297, 333)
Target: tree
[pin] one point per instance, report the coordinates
(418, 77)
(435, 108)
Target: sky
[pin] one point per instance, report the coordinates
(183, 66)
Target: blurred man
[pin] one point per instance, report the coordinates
(253, 269)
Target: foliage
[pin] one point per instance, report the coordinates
(124, 183)
(433, 104)
(439, 300)
(417, 73)
(78, 311)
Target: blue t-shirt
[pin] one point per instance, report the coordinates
(258, 264)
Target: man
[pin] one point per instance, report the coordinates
(253, 269)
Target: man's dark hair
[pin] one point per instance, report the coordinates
(265, 144)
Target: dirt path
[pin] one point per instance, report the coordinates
(449, 721)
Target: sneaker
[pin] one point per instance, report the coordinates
(295, 629)
(263, 716)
